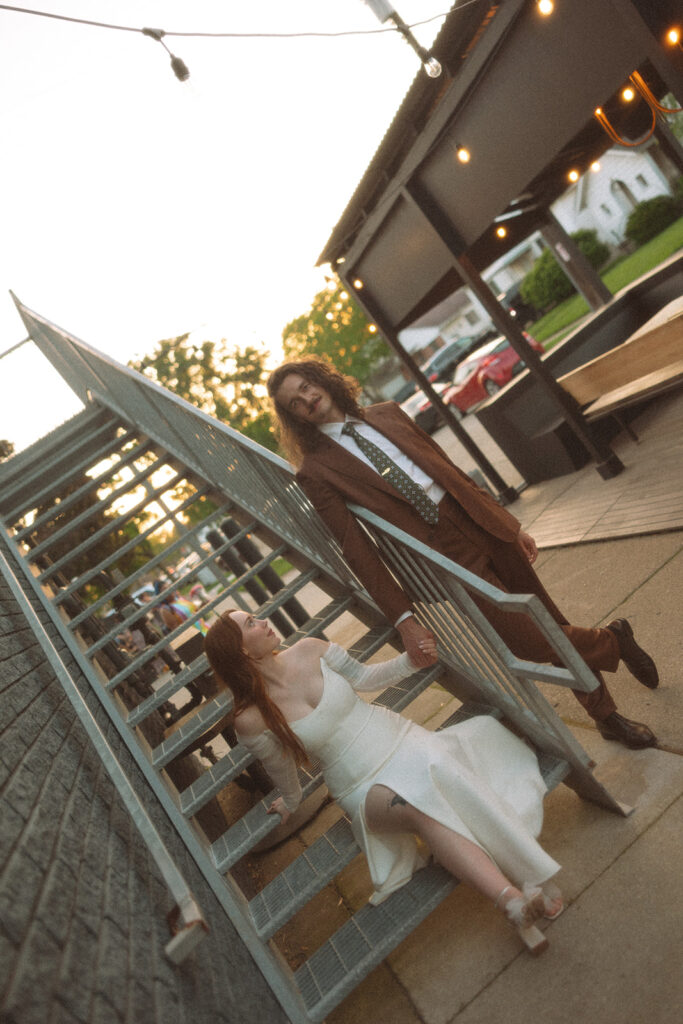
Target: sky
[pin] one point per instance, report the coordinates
(136, 207)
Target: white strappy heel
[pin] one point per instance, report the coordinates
(522, 912)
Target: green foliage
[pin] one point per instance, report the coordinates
(618, 276)
(595, 251)
(651, 217)
(224, 381)
(336, 327)
(546, 284)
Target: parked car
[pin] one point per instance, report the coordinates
(419, 407)
(441, 365)
(515, 305)
(485, 372)
(405, 391)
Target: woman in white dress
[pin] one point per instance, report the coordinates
(473, 792)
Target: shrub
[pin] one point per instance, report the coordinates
(595, 251)
(546, 284)
(651, 217)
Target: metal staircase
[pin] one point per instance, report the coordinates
(75, 511)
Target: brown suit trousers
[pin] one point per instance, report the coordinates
(461, 540)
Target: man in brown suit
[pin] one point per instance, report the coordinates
(345, 453)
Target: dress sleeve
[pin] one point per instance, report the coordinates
(368, 677)
(278, 763)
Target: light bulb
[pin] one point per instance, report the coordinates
(463, 155)
(545, 7)
(627, 94)
(501, 232)
(673, 36)
(573, 175)
(372, 328)
(432, 67)
(358, 283)
(595, 166)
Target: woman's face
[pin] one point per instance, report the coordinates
(258, 638)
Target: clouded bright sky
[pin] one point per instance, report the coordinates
(136, 207)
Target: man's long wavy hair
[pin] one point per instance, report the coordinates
(236, 670)
(295, 437)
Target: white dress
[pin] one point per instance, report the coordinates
(476, 778)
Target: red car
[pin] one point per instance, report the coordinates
(485, 372)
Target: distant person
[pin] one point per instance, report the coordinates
(176, 609)
(378, 458)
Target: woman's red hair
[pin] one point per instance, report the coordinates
(236, 670)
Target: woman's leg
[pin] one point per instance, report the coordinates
(386, 811)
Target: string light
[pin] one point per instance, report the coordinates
(545, 7)
(501, 232)
(595, 166)
(673, 36)
(463, 154)
(179, 66)
(573, 175)
(385, 12)
(372, 328)
(628, 94)
(430, 63)
(358, 284)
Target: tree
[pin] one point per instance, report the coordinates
(223, 381)
(6, 450)
(336, 327)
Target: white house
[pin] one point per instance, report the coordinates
(603, 199)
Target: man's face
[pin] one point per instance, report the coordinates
(307, 402)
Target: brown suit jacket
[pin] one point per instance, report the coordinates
(331, 477)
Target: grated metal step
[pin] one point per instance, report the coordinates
(167, 690)
(254, 826)
(362, 943)
(306, 876)
(201, 721)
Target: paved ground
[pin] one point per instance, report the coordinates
(615, 953)
(581, 507)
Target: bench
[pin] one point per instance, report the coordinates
(646, 364)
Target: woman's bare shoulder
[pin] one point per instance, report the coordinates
(308, 650)
(250, 722)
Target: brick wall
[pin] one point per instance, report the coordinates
(82, 905)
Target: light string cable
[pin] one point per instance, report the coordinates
(180, 69)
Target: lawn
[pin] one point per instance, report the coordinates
(616, 277)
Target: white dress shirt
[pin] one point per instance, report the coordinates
(334, 430)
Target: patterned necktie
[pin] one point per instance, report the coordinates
(393, 474)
